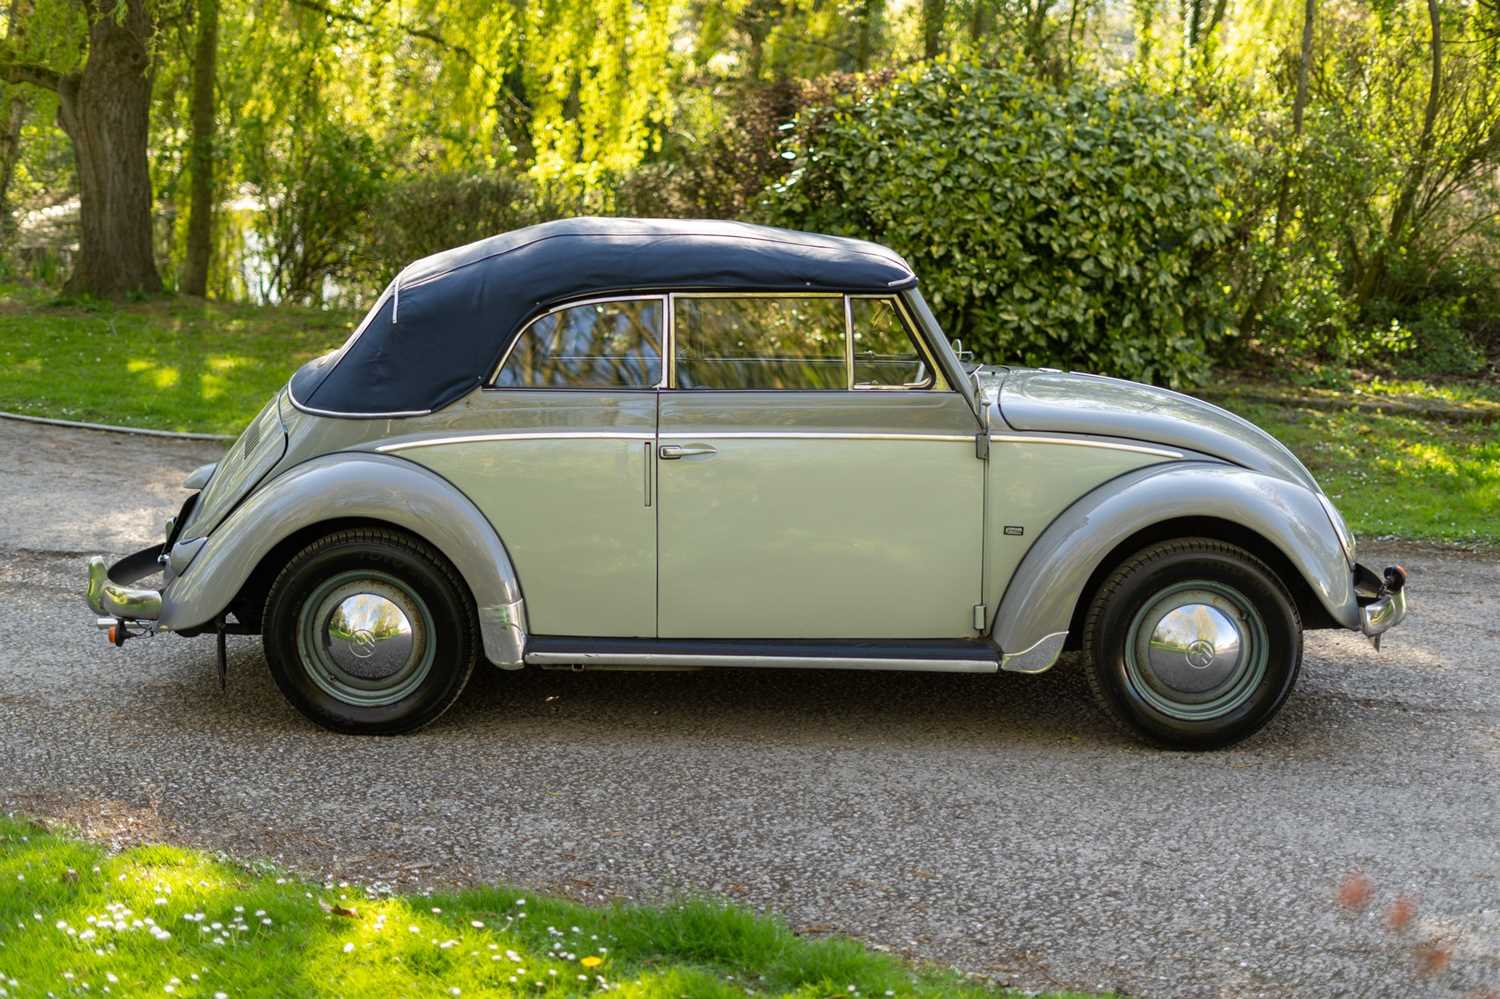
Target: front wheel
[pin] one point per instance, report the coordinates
(1192, 644)
(370, 631)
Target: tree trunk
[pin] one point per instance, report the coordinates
(104, 109)
(1284, 186)
(15, 119)
(10, 155)
(869, 30)
(934, 12)
(1375, 273)
(200, 234)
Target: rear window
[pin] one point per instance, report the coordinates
(600, 345)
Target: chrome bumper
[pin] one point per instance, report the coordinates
(1384, 614)
(1386, 607)
(110, 593)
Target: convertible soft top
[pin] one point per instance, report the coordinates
(444, 323)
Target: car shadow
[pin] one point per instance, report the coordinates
(788, 707)
(753, 707)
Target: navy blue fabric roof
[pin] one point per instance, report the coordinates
(445, 322)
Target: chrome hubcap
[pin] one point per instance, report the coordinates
(365, 638)
(368, 635)
(1197, 650)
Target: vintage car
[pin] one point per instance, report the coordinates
(630, 445)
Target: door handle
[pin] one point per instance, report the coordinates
(671, 452)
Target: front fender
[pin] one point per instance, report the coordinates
(1037, 608)
(348, 486)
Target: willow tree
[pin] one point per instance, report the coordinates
(103, 105)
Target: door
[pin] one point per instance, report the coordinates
(563, 468)
(816, 477)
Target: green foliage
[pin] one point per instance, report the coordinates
(414, 216)
(1075, 228)
(316, 190)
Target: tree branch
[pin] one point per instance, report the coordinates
(411, 30)
(27, 72)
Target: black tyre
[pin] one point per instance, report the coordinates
(370, 631)
(1192, 644)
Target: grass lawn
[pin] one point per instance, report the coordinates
(1432, 477)
(170, 364)
(78, 920)
(1401, 458)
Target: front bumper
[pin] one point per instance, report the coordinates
(1382, 600)
(111, 594)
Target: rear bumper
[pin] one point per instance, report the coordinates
(110, 590)
(1382, 599)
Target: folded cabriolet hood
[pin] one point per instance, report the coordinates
(1054, 401)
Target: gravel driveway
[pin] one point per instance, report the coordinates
(994, 823)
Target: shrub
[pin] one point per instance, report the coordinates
(423, 214)
(316, 188)
(1076, 228)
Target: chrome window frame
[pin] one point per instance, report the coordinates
(935, 380)
(665, 334)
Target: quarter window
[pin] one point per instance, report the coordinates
(760, 343)
(884, 354)
(615, 344)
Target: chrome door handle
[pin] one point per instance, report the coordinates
(670, 452)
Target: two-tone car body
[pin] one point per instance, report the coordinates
(645, 444)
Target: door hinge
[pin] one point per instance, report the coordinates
(981, 616)
(982, 446)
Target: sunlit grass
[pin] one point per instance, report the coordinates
(77, 920)
(171, 364)
(1396, 475)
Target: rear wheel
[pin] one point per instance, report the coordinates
(370, 631)
(1193, 644)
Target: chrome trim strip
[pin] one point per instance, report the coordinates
(814, 436)
(754, 661)
(559, 435)
(352, 416)
(1084, 442)
(848, 344)
(1037, 659)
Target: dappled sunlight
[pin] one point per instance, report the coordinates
(161, 920)
(164, 365)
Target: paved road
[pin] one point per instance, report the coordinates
(997, 824)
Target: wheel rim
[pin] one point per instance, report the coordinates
(365, 638)
(1197, 650)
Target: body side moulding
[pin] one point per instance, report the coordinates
(1037, 607)
(347, 486)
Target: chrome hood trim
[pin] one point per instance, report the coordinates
(1058, 402)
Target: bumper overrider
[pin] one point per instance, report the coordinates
(121, 604)
(1382, 600)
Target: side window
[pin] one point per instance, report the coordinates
(760, 343)
(595, 345)
(885, 355)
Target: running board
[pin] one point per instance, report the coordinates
(926, 655)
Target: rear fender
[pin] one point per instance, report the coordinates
(356, 486)
(1032, 622)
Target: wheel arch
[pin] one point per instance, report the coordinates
(1314, 614)
(338, 491)
(1280, 522)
